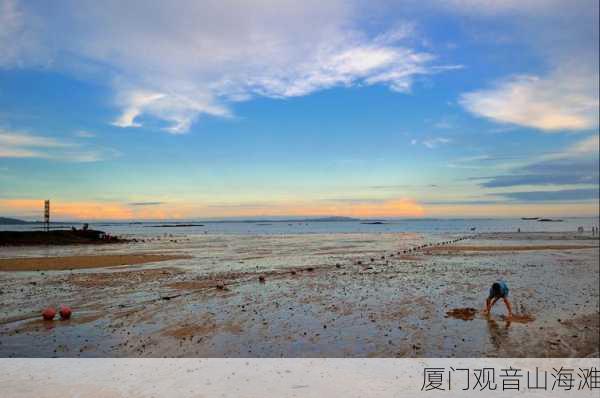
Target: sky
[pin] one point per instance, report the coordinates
(142, 110)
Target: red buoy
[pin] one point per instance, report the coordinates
(49, 313)
(65, 312)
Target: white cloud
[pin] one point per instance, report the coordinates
(177, 63)
(23, 145)
(11, 139)
(19, 153)
(588, 146)
(178, 109)
(134, 102)
(564, 38)
(433, 143)
(566, 100)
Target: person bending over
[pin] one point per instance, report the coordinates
(499, 290)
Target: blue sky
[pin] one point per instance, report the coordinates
(241, 109)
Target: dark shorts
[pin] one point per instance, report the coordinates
(502, 294)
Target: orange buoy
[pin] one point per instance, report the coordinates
(65, 312)
(49, 313)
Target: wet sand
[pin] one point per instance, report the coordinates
(81, 262)
(508, 248)
(335, 295)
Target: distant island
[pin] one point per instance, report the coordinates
(12, 221)
(328, 219)
(174, 225)
(167, 224)
(286, 220)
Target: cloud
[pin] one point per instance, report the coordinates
(19, 153)
(576, 165)
(433, 143)
(175, 64)
(576, 177)
(562, 101)
(24, 145)
(146, 203)
(484, 162)
(588, 146)
(476, 202)
(443, 124)
(563, 95)
(550, 196)
(10, 139)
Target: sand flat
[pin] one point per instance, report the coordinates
(508, 248)
(81, 262)
(370, 301)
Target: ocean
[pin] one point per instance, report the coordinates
(291, 227)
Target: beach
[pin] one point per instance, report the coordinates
(366, 294)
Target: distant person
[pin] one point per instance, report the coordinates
(499, 290)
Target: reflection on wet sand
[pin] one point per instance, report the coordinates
(499, 334)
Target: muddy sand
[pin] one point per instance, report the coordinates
(334, 295)
(81, 262)
(512, 248)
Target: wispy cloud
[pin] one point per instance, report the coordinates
(146, 203)
(175, 64)
(12, 139)
(24, 145)
(473, 202)
(443, 124)
(576, 165)
(551, 196)
(586, 147)
(573, 173)
(435, 142)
